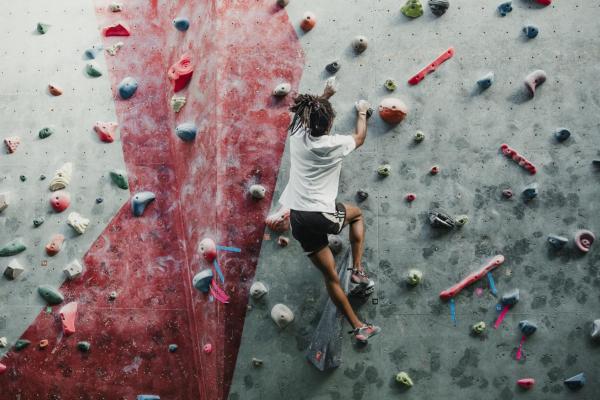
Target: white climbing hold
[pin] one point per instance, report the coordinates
(115, 7)
(283, 89)
(282, 315)
(13, 269)
(62, 177)
(360, 44)
(3, 201)
(595, 334)
(77, 222)
(3, 341)
(114, 49)
(73, 269)
(257, 191)
(258, 290)
(177, 103)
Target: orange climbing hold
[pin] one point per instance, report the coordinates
(116, 30)
(308, 21)
(55, 90)
(392, 110)
(106, 131)
(68, 313)
(55, 244)
(12, 143)
(181, 72)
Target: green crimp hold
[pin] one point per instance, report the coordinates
(92, 70)
(11, 248)
(84, 346)
(42, 28)
(45, 132)
(478, 328)
(384, 170)
(404, 379)
(37, 221)
(21, 344)
(412, 9)
(119, 178)
(51, 295)
(390, 85)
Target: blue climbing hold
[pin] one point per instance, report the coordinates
(148, 397)
(181, 24)
(202, 280)
(173, 348)
(127, 87)
(486, 81)
(576, 382)
(531, 31)
(505, 8)
(562, 134)
(93, 51)
(558, 242)
(510, 298)
(530, 192)
(139, 202)
(528, 328)
(186, 131)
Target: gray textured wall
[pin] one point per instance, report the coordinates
(464, 129)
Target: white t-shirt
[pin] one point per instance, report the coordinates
(316, 163)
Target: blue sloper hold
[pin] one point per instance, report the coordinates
(186, 131)
(148, 397)
(562, 134)
(93, 51)
(510, 298)
(139, 202)
(531, 31)
(557, 242)
(575, 382)
(127, 88)
(528, 328)
(486, 81)
(202, 280)
(505, 8)
(181, 24)
(530, 192)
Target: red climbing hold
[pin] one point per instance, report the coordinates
(116, 30)
(392, 110)
(12, 143)
(106, 131)
(60, 201)
(67, 315)
(55, 244)
(207, 348)
(3, 368)
(434, 170)
(208, 249)
(411, 197)
(181, 72)
(472, 278)
(526, 383)
(432, 67)
(518, 158)
(544, 2)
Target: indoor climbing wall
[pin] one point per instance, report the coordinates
(429, 338)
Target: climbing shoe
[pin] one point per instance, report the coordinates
(359, 277)
(365, 332)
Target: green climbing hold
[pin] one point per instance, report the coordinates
(37, 221)
(51, 295)
(42, 28)
(119, 178)
(412, 9)
(390, 85)
(84, 346)
(21, 344)
(419, 137)
(478, 328)
(414, 277)
(45, 132)
(384, 170)
(177, 103)
(403, 378)
(92, 70)
(11, 248)
(48, 310)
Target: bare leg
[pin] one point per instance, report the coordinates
(355, 219)
(323, 259)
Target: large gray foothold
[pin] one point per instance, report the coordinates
(595, 334)
(282, 315)
(258, 290)
(202, 280)
(140, 201)
(13, 270)
(335, 243)
(510, 298)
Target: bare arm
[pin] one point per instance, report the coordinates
(361, 123)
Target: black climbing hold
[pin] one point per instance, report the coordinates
(362, 195)
(37, 221)
(42, 28)
(369, 112)
(23, 178)
(530, 192)
(99, 200)
(333, 67)
(438, 7)
(576, 382)
(438, 219)
(42, 177)
(510, 298)
(557, 242)
(528, 328)
(181, 24)
(173, 348)
(531, 31)
(562, 134)
(20, 344)
(45, 132)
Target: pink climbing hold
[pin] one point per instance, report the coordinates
(12, 143)
(181, 72)
(116, 30)
(207, 348)
(518, 158)
(526, 383)
(584, 240)
(208, 249)
(106, 131)
(472, 278)
(60, 201)
(3, 368)
(55, 244)
(68, 313)
(410, 197)
(279, 221)
(432, 67)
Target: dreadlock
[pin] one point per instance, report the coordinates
(314, 113)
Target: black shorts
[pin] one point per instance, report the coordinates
(310, 228)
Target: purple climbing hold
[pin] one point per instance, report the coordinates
(202, 280)
(511, 298)
(140, 201)
(576, 382)
(127, 88)
(528, 328)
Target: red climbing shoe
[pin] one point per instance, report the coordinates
(365, 332)
(359, 277)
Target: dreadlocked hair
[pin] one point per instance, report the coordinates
(314, 113)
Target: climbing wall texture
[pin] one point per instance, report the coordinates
(464, 129)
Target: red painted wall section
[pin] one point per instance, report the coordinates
(241, 50)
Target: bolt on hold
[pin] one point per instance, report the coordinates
(410, 197)
(479, 328)
(439, 219)
(309, 20)
(412, 9)
(531, 31)
(419, 137)
(390, 85)
(505, 8)
(403, 378)
(486, 81)
(414, 277)
(333, 67)
(362, 195)
(562, 134)
(438, 7)
(360, 44)
(434, 170)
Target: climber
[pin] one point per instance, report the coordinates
(316, 162)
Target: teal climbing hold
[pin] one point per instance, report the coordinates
(93, 51)
(119, 178)
(173, 348)
(148, 397)
(45, 132)
(139, 202)
(186, 131)
(202, 280)
(412, 9)
(50, 294)
(181, 24)
(92, 70)
(42, 28)
(84, 346)
(20, 344)
(11, 248)
(37, 221)
(127, 88)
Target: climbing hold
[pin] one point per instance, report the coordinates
(23, 178)
(93, 70)
(55, 90)
(479, 328)
(78, 222)
(116, 30)
(83, 346)
(177, 103)
(51, 295)
(62, 177)
(390, 85)
(414, 277)
(403, 378)
(12, 248)
(432, 66)
(462, 220)
(530, 31)
(439, 219)
(207, 348)
(557, 242)
(333, 67)
(576, 382)
(283, 3)
(127, 88)
(208, 249)
(257, 362)
(73, 269)
(12, 143)
(202, 280)
(438, 7)
(534, 80)
(60, 201)
(562, 134)
(173, 348)
(186, 131)
(20, 344)
(434, 170)
(544, 2)
(148, 397)
(181, 72)
(106, 131)
(3, 342)
(510, 298)
(410, 197)
(279, 221)
(595, 334)
(282, 89)
(362, 195)
(140, 201)
(392, 110)
(55, 244)
(257, 191)
(528, 328)
(114, 49)
(419, 137)
(507, 193)
(181, 24)
(4, 201)
(93, 51)
(309, 20)
(283, 241)
(526, 383)
(530, 192)
(115, 7)
(3, 368)
(335, 243)
(112, 295)
(384, 170)
(68, 314)
(472, 278)
(583, 240)
(505, 8)
(282, 315)
(13, 270)
(99, 200)
(45, 132)
(486, 81)
(360, 44)
(258, 290)
(119, 178)
(42, 28)
(412, 9)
